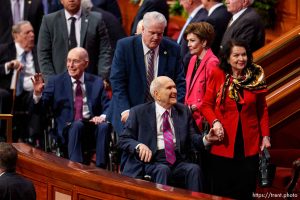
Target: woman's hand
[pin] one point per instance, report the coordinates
(265, 143)
(193, 108)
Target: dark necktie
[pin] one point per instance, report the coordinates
(72, 37)
(150, 73)
(20, 81)
(78, 101)
(168, 139)
(17, 13)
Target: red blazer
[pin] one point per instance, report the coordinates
(195, 89)
(254, 117)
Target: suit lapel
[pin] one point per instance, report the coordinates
(89, 88)
(27, 5)
(152, 121)
(201, 67)
(163, 53)
(69, 91)
(239, 18)
(64, 27)
(84, 25)
(189, 73)
(35, 61)
(176, 122)
(139, 53)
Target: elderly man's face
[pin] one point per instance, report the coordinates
(166, 95)
(25, 37)
(152, 34)
(186, 4)
(76, 63)
(234, 6)
(72, 6)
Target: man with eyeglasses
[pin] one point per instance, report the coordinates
(137, 61)
(79, 103)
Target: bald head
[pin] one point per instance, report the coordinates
(163, 90)
(77, 62)
(81, 52)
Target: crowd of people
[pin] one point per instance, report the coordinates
(168, 98)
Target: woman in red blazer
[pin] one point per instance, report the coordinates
(199, 37)
(235, 104)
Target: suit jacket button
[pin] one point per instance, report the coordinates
(198, 100)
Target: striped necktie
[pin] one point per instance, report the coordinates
(168, 139)
(150, 73)
(78, 101)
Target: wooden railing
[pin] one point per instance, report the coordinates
(58, 178)
(280, 59)
(284, 112)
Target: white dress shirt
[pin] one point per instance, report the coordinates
(29, 69)
(159, 111)
(77, 24)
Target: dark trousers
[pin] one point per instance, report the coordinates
(26, 123)
(234, 178)
(180, 172)
(84, 134)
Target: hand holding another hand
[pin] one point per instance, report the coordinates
(214, 135)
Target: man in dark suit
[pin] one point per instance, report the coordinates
(197, 13)
(79, 103)
(114, 28)
(160, 6)
(89, 32)
(21, 56)
(131, 69)
(111, 6)
(158, 137)
(12, 185)
(218, 16)
(245, 25)
(29, 10)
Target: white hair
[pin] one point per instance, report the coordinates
(154, 17)
(154, 86)
(86, 4)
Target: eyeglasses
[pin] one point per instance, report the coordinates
(74, 61)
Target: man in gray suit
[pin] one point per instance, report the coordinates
(245, 24)
(89, 31)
